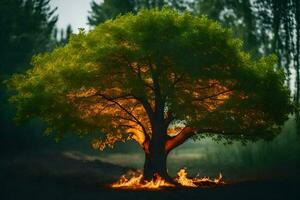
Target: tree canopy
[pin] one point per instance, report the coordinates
(266, 26)
(185, 73)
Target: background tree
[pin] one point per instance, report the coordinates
(26, 29)
(158, 77)
(237, 15)
(267, 26)
(62, 37)
(109, 9)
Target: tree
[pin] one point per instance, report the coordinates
(159, 77)
(267, 26)
(237, 15)
(26, 29)
(109, 9)
(64, 36)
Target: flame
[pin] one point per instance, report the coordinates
(183, 180)
(134, 180)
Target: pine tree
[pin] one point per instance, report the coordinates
(26, 29)
(109, 9)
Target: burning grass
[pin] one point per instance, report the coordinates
(134, 180)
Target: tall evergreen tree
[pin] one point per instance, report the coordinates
(297, 57)
(26, 29)
(109, 9)
(267, 26)
(237, 15)
(282, 22)
(62, 36)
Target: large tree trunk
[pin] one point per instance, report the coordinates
(156, 159)
(158, 150)
(155, 165)
(156, 156)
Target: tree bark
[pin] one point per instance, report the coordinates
(155, 165)
(180, 138)
(156, 159)
(156, 156)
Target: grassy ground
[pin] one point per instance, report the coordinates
(57, 176)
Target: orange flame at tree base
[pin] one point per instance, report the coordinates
(136, 182)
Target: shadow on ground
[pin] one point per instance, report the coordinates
(56, 176)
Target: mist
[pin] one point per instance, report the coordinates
(207, 157)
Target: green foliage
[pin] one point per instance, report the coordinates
(237, 15)
(266, 26)
(198, 68)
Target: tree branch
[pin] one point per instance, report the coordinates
(208, 87)
(143, 101)
(147, 137)
(177, 80)
(124, 109)
(146, 106)
(138, 73)
(188, 132)
(212, 96)
(180, 138)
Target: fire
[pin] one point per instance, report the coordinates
(134, 180)
(183, 180)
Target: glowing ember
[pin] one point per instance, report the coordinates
(134, 180)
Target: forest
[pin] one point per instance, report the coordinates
(38, 147)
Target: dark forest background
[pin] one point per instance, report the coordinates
(28, 27)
